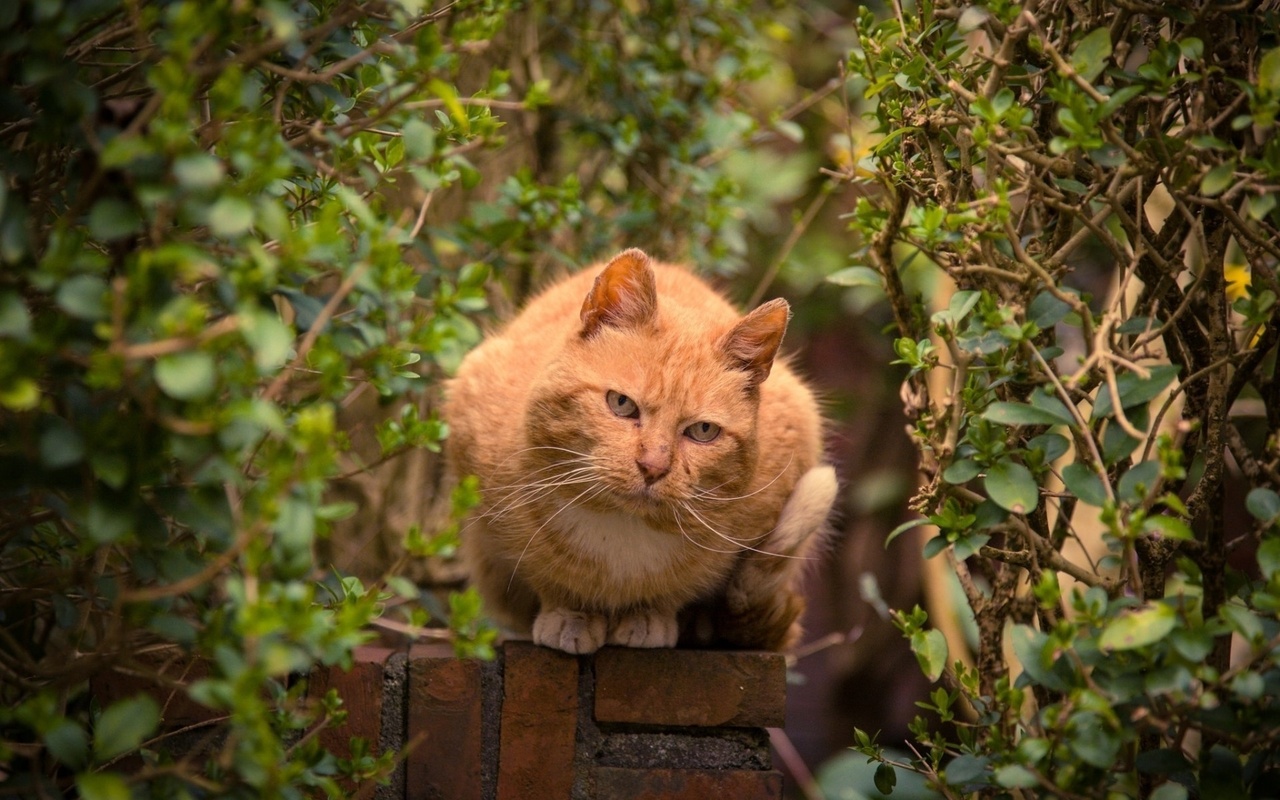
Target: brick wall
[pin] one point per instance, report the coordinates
(534, 723)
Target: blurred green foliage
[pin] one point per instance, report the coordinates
(1092, 385)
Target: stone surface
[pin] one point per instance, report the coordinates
(734, 748)
(709, 688)
(539, 724)
(395, 708)
(620, 783)
(444, 726)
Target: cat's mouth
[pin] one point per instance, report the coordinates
(644, 501)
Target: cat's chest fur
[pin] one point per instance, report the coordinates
(623, 545)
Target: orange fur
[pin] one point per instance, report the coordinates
(602, 518)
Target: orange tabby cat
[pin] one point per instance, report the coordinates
(644, 462)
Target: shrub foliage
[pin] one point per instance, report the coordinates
(1092, 384)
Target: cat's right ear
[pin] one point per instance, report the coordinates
(753, 343)
(624, 294)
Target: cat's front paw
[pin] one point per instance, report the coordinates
(645, 629)
(570, 631)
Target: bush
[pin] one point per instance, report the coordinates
(1076, 230)
(220, 224)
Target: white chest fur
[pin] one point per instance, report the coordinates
(629, 548)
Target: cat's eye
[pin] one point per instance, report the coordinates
(702, 431)
(622, 405)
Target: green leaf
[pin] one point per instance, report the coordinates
(1046, 310)
(1011, 485)
(1263, 504)
(60, 445)
(935, 546)
(269, 337)
(903, 528)
(965, 769)
(449, 95)
(970, 544)
(962, 471)
(1136, 325)
(1085, 484)
(1047, 401)
(187, 376)
(230, 216)
(1242, 621)
(1217, 180)
(111, 219)
(198, 171)
(83, 297)
(961, 304)
(1134, 390)
(1004, 413)
(107, 520)
(1269, 557)
(68, 743)
(1016, 776)
(1091, 54)
(124, 726)
(419, 139)
(1119, 98)
(1038, 660)
(930, 647)
(22, 395)
(1091, 740)
(1052, 446)
(1193, 644)
(1260, 205)
(886, 778)
(15, 320)
(1140, 628)
(1168, 527)
(1169, 790)
(855, 276)
(102, 786)
(1136, 484)
(1269, 71)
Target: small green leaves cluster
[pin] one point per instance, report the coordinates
(1081, 438)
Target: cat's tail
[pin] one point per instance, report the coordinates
(762, 603)
(783, 553)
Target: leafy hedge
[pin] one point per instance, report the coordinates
(1076, 229)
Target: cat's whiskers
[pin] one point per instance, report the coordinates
(523, 494)
(591, 490)
(545, 480)
(695, 542)
(740, 543)
(577, 456)
(709, 494)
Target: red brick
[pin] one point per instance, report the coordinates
(618, 783)
(361, 690)
(707, 688)
(444, 721)
(539, 723)
(169, 689)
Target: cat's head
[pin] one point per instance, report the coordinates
(654, 401)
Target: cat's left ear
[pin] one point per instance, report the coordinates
(624, 294)
(753, 343)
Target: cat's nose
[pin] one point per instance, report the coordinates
(653, 466)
